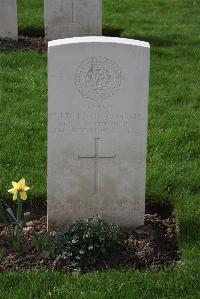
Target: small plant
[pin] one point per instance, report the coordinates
(87, 240)
(45, 244)
(19, 195)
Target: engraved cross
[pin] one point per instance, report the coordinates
(96, 158)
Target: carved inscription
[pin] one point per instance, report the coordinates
(98, 78)
(94, 207)
(96, 123)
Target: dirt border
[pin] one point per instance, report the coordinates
(25, 43)
(153, 245)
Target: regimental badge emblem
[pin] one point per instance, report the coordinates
(98, 78)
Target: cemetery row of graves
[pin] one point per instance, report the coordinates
(111, 123)
(62, 18)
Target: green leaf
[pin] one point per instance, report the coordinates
(27, 216)
(10, 212)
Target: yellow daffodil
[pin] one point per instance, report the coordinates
(14, 190)
(19, 187)
(22, 188)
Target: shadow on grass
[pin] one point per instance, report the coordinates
(165, 41)
(157, 203)
(110, 31)
(40, 32)
(161, 199)
(32, 31)
(158, 41)
(153, 40)
(190, 230)
(157, 208)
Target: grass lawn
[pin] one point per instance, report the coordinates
(173, 176)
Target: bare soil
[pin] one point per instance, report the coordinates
(24, 43)
(152, 245)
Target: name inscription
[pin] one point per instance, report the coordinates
(93, 123)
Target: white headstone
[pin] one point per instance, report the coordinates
(97, 130)
(68, 18)
(8, 20)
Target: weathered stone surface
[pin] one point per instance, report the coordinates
(68, 18)
(8, 20)
(97, 130)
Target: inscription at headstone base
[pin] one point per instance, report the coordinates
(68, 18)
(97, 129)
(8, 20)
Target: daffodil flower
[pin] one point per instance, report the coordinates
(19, 187)
(22, 188)
(14, 190)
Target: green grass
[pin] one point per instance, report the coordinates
(173, 176)
(180, 282)
(31, 17)
(23, 118)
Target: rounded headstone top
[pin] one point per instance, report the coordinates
(98, 39)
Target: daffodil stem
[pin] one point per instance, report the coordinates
(18, 223)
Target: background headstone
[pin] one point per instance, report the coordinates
(8, 20)
(68, 18)
(97, 130)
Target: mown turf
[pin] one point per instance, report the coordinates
(31, 17)
(173, 176)
(179, 282)
(23, 117)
